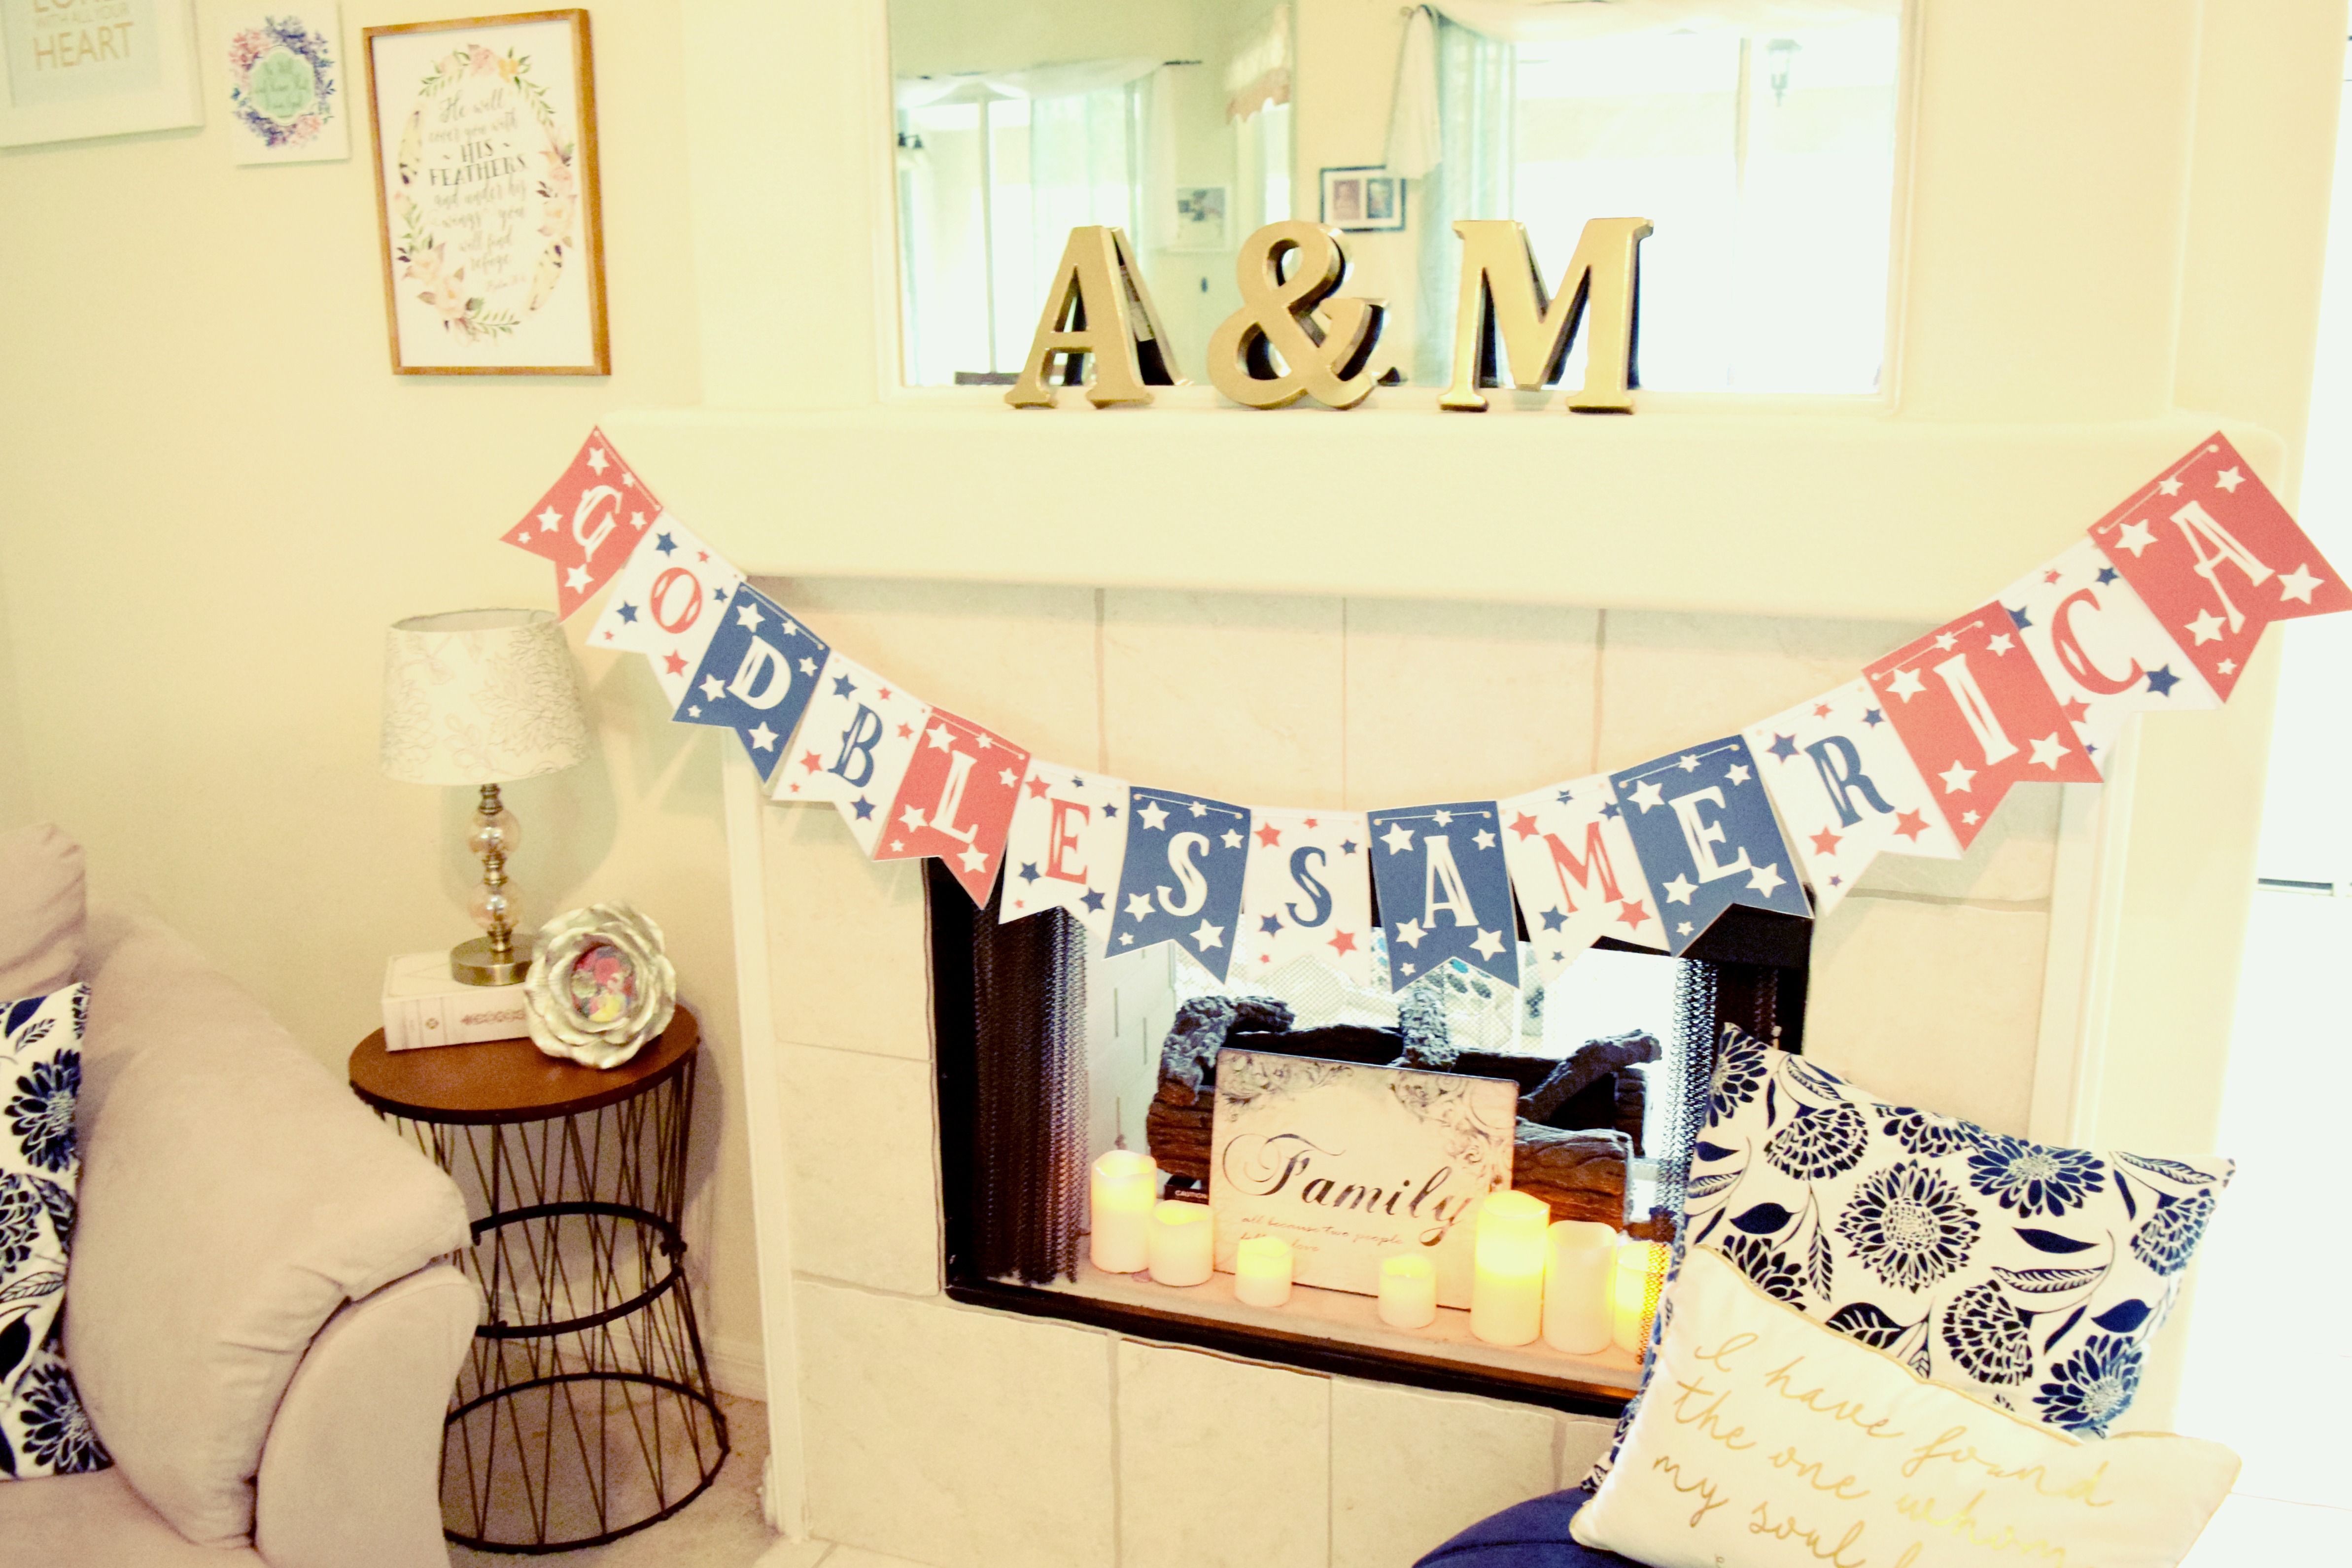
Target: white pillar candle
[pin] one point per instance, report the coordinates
(1641, 1265)
(1579, 1256)
(1262, 1271)
(1122, 1190)
(1407, 1291)
(1506, 1294)
(1180, 1253)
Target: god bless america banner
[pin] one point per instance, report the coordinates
(2157, 607)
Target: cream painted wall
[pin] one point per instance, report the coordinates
(216, 495)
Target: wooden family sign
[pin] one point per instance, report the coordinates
(1351, 1164)
(1295, 336)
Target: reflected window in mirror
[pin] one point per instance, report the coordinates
(1016, 123)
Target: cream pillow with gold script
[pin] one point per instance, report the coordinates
(1766, 1440)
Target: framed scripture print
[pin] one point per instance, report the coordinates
(486, 200)
(287, 99)
(71, 68)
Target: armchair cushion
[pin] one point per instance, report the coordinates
(233, 1195)
(41, 909)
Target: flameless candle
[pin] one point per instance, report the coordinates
(1631, 1299)
(1407, 1291)
(1262, 1271)
(1506, 1295)
(1180, 1253)
(1579, 1256)
(1122, 1192)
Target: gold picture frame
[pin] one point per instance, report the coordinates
(488, 211)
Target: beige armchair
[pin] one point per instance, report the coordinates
(255, 1313)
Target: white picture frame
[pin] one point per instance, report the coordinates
(71, 69)
(1351, 1164)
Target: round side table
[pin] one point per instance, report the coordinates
(585, 1410)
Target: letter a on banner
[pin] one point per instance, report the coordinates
(1097, 311)
(2101, 649)
(666, 603)
(1847, 790)
(1307, 894)
(2210, 550)
(1707, 837)
(854, 747)
(1182, 882)
(955, 802)
(756, 676)
(1976, 715)
(1446, 890)
(1578, 876)
(587, 523)
(1069, 833)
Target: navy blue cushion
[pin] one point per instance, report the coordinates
(1532, 1534)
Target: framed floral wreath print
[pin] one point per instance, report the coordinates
(486, 198)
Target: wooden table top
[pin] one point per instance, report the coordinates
(509, 1080)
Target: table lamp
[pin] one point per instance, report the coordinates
(482, 697)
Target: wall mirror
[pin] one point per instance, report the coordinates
(1760, 136)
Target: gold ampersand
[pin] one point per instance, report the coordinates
(1291, 339)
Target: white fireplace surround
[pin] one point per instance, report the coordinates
(2111, 231)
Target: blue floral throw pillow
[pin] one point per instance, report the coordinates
(2027, 1276)
(43, 1429)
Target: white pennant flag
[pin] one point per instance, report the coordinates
(853, 746)
(1576, 874)
(1847, 790)
(1068, 836)
(665, 603)
(2101, 648)
(1306, 893)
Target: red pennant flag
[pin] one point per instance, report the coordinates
(956, 802)
(587, 523)
(1976, 715)
(2212, 553)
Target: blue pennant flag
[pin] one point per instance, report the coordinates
(1446, 890)
(1181, 878)
(757, 675)
(1707, 837)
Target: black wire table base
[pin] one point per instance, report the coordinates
(585, 1410)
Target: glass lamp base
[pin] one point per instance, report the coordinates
(471, 963)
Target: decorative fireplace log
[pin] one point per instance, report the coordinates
(1580, 1119)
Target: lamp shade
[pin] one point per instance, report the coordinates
(477, 696)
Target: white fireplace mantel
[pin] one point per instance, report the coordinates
(2113, 219)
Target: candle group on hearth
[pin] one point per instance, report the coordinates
(1540, 1279)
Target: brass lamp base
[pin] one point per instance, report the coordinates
(477, 962)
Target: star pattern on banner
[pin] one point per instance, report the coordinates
(755, 676)
(1446, 890)
(1846, 790)
(587, 523)
(1577, 875)
(1977, 716)
(955, 802)
(1068, 835)
(860, 733)
(665, 603)
(2101, 649)
(1306, 893)
(1707, 837)
(1182, 879)
(2215, 558)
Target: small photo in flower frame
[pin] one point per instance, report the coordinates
(485, 140)
(1363, 199)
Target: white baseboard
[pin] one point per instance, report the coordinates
(737, 1367)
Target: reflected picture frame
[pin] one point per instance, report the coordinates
(1363, 198)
